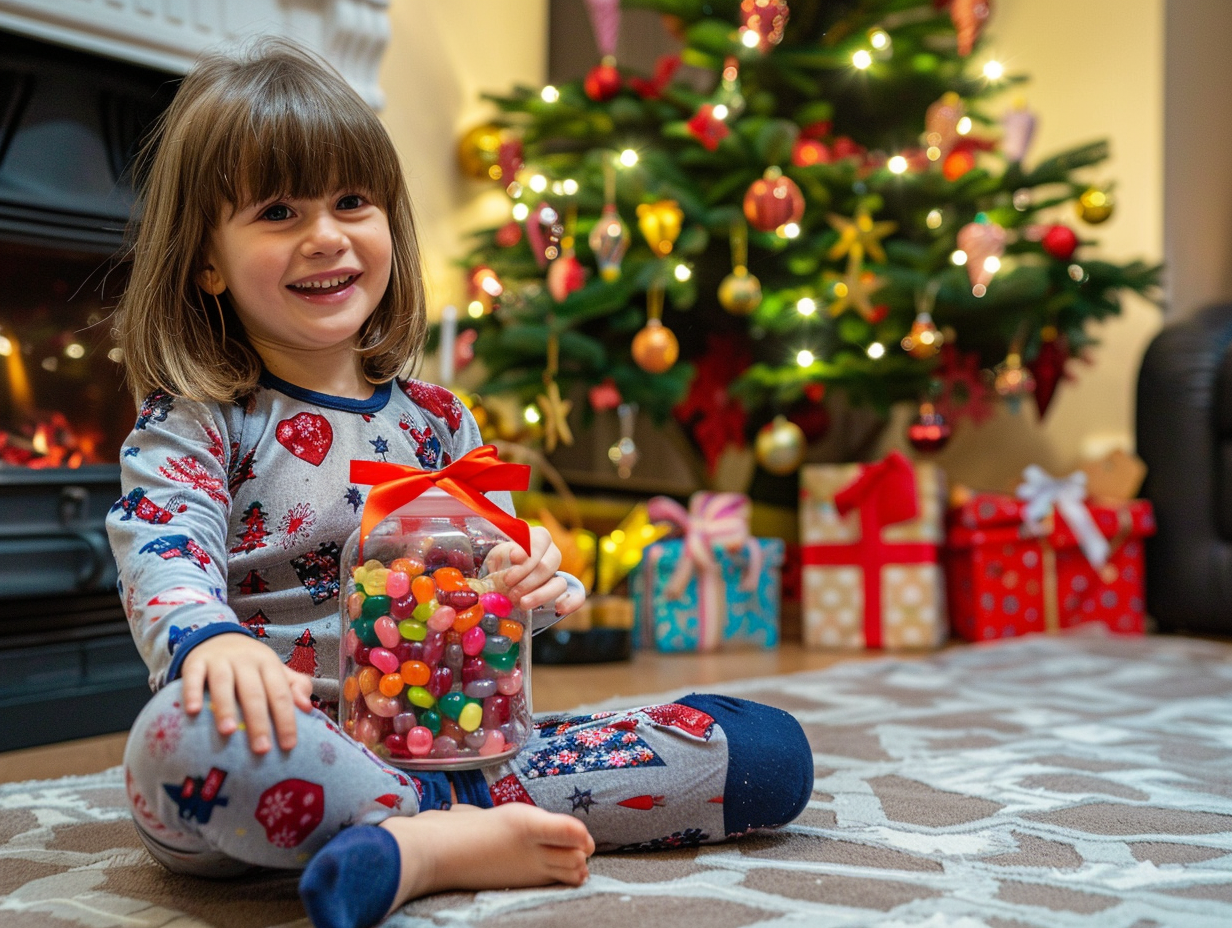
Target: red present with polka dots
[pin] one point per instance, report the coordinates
(1001, 581)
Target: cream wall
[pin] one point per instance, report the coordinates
(1097, 71)
(440, 58)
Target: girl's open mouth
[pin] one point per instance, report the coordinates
(327, 285)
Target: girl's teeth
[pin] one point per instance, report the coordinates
(323, 284)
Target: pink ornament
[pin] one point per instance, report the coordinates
(605, 23)
(565, 275)
(981, 241)
(544, 230)
(969, 17)
(765, 19)
(509, 158)
(941, 122)
(1018, 126)
(509, 234)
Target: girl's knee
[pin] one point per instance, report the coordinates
(769, 763)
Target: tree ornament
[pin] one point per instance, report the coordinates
(729, 93)
(969, 17)
(652, 88)
(707, 128)
(509, 234)
(623, 453)
(739, 291)
(1060, 241)
(1094, 206)
(609, 240)
(544, 230)
(477, 150)
(565, 275)
(941, 125)
(773, 201)
(554, 409)
(602, 81)
(981, 241)
(929, 431)
(957, 163)
(1018, 127)
(807, 152)
(859, 236)
(924, 340)
(660, 225)
(604, 396)
(780, 446)
(762, 23)
(854, 290)
(714, 417)
(484, 288)
(1048, 368)
(655, 348)
(1012, 381)
(508, 161)
(464, 348)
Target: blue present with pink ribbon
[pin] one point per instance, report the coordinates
(714, 585)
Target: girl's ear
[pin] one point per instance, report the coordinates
(211, 281)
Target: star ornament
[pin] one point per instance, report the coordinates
(859, 235)
(555, 417)
(854, 290)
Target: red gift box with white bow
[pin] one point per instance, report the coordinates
(1045, 560)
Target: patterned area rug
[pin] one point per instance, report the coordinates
(1066, 782)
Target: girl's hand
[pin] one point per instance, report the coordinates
(236, 668)
(531, 579)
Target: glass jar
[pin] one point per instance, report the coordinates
(435, 661)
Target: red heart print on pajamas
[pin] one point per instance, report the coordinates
(307, 436)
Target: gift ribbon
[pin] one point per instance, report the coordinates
(885, 493)
(467, 479)
(1042, 493)
(712, 522)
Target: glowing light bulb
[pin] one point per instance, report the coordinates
(992, 264)
(683, 273)
(538, 183)
(628, 157)
(749, 39)
(959, 257)
(806, 306)
(719, 112)
(6, 347)
(994, 70)
(897, 165)
(520, 211)
(804, 357)
(933, 219)
(570, 186)
(879, 39)
(789, 230)
(862, 59)
(531, 414)
(964, 125)
(474, 309)
(74, 350)
(549, 94)
(875, 350)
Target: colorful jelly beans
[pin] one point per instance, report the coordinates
(434, 665)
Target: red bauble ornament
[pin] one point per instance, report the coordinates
(1048, 369)
(602, 83)
(773, 201)
(1060, 241)
(929, 432)
(509, 234)
(808, 152)
(956, 164)
(604, 396)
(565, 275)
(765, 19)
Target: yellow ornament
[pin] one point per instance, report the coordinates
(854, 290)
(740, 292)
(859, 236)
(622, 550)
(555, 413)
(780, 446)
(477, 150)
(924, 340)
(660, 224)
(1094, 206)
(655, 348)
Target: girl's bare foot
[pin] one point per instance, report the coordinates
(468, 848)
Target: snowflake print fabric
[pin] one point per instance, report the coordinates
(588, 750)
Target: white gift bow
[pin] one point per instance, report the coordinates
(1041, 492)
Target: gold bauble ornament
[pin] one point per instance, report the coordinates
(1094, 206)
(478, 149)
(780, 446)
(655, 348)
(924, 340)
(740, 292)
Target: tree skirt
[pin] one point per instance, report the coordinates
(1059, 782)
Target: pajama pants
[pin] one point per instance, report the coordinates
(692, 772)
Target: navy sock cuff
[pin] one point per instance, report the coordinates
(353, 880)
(435, 785)
(769, 762)
(472, 788)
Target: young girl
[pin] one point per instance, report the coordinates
(275, 297)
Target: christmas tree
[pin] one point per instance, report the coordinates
(813, 197)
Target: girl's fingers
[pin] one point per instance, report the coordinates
(250, 688)
(541, 595)
(194, 686)
(221, 684)
(281, 698)
(301, 689)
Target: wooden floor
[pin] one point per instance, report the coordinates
(555, 688)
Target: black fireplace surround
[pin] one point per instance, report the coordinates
(70, 123)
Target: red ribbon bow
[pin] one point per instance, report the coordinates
(891, 484)
(467, 479)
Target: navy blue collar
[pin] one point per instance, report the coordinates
(374, 403)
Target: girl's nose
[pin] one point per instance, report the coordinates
(325, 237)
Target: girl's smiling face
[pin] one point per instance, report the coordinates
(302, 274)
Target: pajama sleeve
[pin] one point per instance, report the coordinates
(169, 531)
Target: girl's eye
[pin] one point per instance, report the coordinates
(351, 201)
(276, 213)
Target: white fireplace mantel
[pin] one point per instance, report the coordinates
(170, 34)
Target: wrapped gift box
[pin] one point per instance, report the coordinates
(869, 543)
(1003, 580)
(714, 588)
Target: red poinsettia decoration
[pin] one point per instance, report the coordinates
(964, 391)
(652, 88)
(715, 418)
(708, 128)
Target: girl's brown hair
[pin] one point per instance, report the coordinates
(273, 122)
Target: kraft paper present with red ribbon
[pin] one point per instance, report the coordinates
(714, 587)
(1045, 560)
(869, 538)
